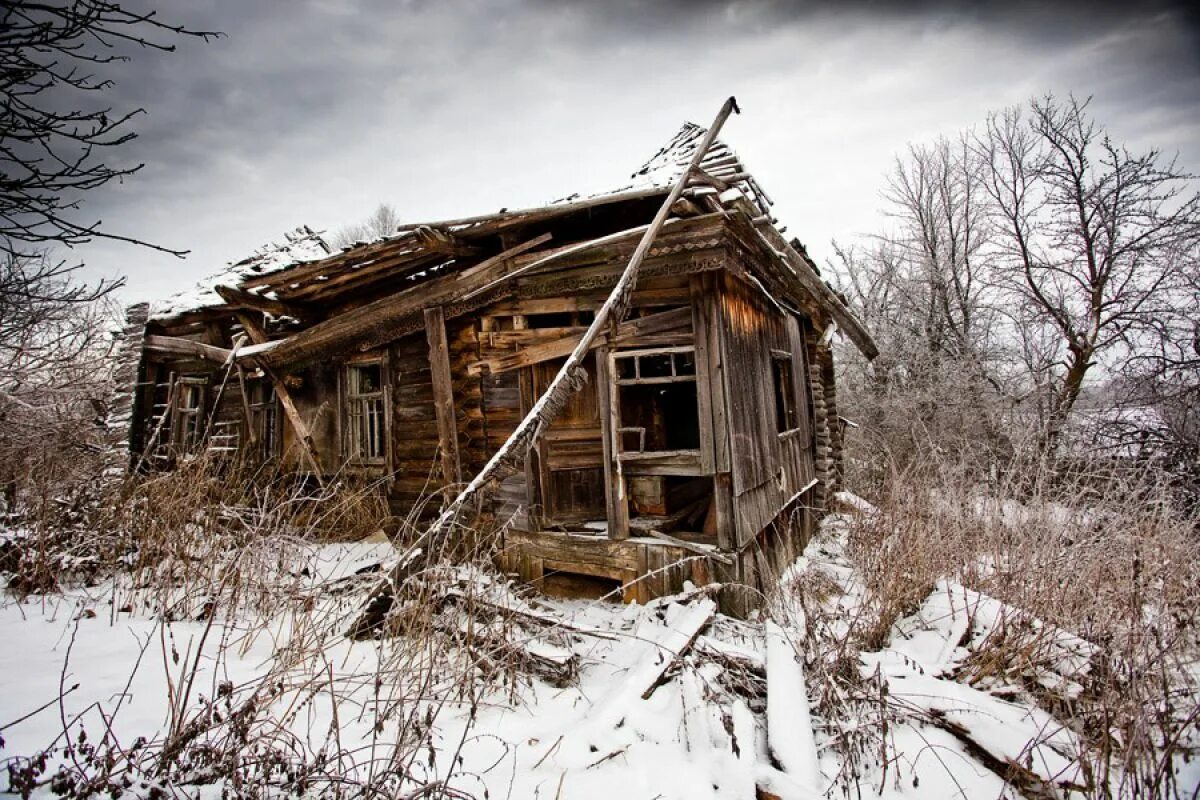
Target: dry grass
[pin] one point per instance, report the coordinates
(1093, 549)
(203, 545)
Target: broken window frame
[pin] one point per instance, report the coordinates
(265, 419)
(637, 379)
(788, 419)
(187, 427)
(365, 446)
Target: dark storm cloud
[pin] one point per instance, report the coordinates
(314, 111)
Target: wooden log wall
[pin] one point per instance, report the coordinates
(122, 423)
(415, 463)
(823, 421)
(836, 432)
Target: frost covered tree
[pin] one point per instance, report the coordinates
(1096, 241)
(1024, 261)
(383, 222)
(57, 142)
(925, 290)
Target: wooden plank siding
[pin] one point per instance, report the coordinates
(500, 412)
(414, 436)
(767, 467)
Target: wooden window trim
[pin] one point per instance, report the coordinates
(265, 449)
(349, 446)
(784, 385)
(637, 355)
(182, 442)
(618, 427)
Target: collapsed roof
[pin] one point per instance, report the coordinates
(456, 259)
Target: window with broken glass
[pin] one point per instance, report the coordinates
(787, 411)
(264, 420)
(366, 423)
(188, 430)
(658, 407)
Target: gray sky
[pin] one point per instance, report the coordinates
(314, 111)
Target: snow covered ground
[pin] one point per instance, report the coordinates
(671, 700)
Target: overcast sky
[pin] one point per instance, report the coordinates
(315, 111)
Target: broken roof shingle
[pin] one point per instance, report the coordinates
(299, 246)
(306, 247)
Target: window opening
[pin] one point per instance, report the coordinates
(189, 414)
(787, 417)
(264, 419)
(658, 407)
(366, 435)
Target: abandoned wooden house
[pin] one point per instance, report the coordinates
(703, 430)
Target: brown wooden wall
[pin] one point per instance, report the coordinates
(414, 440)
(768, 468)
(500, 406)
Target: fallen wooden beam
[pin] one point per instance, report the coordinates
(678, 638)
(692, 547)
(570, 378)
(379, 314)
(259, 336)
(188, 348)
(237, 298)
(675, 319)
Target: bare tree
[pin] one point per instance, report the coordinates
(56, 139)
(925, 291)
(50, 154)
(1094, 240)
(935, 197)
(383, 222)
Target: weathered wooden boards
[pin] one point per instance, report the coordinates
(239, 298)
(674, 321)
(443, 394)
(569, 378)
(378, 315)
(308, 448)
(186, 348)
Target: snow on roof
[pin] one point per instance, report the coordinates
(300, 245)
(304, 245)
(664, 167)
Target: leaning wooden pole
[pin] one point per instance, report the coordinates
(570, 378)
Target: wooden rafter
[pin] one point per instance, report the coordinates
(562, 254)
(187, 348)
(377, 315)
(300, 273)
(238, 298)
(436, 240)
